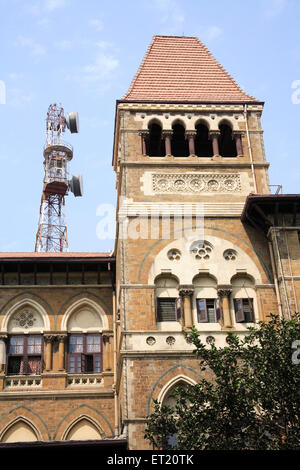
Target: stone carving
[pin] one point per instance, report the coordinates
(190, 183)
(170, 340)
(230, 255)
(150, 340)
(26, 318)
(174, 254)
(210, 339)
(201, 250)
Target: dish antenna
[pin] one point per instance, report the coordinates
(72, 121)
(76, 185)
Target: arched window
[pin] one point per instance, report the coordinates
(203, 145)
(25, 347)
(227, 145)
(84, 323)
(156, 146)
(244, 298)
(207, 303)
(179, 144)
(167, 299)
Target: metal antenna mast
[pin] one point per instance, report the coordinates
(52, 230)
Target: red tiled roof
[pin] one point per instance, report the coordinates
(181, 69)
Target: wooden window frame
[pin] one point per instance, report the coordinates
(25, 355)
(239, 309)
(177, 308)
(205, 318)
(80, 358)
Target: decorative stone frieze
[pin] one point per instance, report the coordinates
(190, 183)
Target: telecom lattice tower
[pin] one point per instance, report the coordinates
(52, 230)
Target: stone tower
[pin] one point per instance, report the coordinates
(188, 151)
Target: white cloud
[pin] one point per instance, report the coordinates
(211, 33)
(51, 5)
(275, 7)
(97, 24)
(16, 97)
(100, 68)
(34, 48)
(16, 76)
(171, 15)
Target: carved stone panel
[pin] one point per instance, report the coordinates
(191, 183)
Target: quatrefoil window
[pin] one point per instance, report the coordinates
(230, 255)
(174, 254)
(202, 250)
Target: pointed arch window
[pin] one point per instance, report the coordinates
(25, 354)
(84, 353)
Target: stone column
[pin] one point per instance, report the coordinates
(3, 339)
(61, 352)
(190, 135)
(107, 352)
(145, 136)
(48, 351)
(186, 293)
(238, 142)
(214, 136)
(224, 294)
(167, 135)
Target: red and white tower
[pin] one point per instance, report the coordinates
(52, 230)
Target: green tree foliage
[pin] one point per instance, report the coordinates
(252, 400)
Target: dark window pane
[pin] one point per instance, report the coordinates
(14, 365)
(89, 364)
(166, 309)
(34, 365)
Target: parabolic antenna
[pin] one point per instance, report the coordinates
(76, 185)
(72, 121)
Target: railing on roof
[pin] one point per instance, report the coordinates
(277, 188)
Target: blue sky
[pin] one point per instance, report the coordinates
(84, 56)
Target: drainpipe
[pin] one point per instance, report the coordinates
(281, 270)
(275, 279)
(249, 147)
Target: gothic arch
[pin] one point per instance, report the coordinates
(29, 431)
(170, 375)
(95, 310)
(76, 414)
(82, 419)
(27, 302)
(173, 383)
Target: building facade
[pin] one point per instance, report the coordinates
(89, 340)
